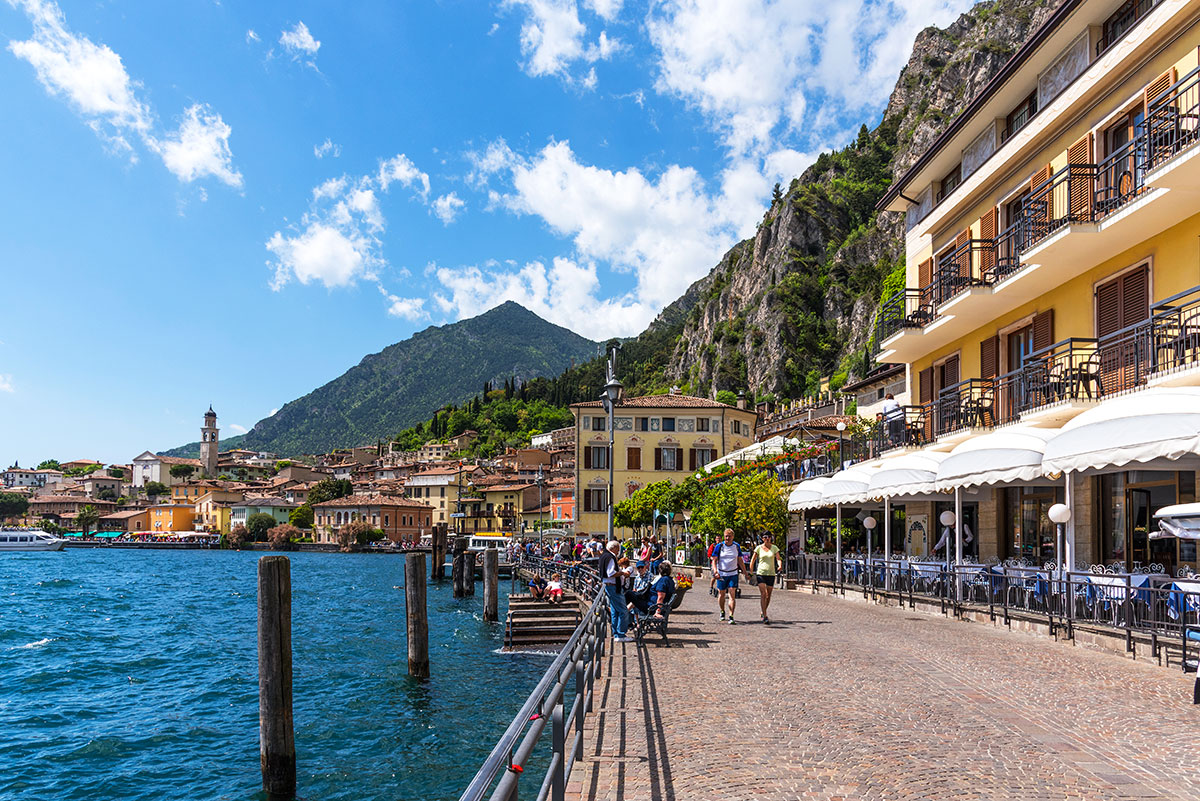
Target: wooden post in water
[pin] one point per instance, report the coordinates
(458, 567)
(414, 612)
(469, 573)
(276, 739)
(438, 571)
(491, 581)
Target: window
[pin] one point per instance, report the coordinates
(702, 424)
(1121, 21)
(704, 456)
(668, 424)
(595, 457)
(595, 500)
(633, 458)
(643, 424)
(599, 423)
(1020, 115)
(443, 492)
(948, 183)
(587, 424)
(670, 459)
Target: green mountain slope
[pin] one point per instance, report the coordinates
(406, 382)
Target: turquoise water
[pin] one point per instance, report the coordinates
(133, 675)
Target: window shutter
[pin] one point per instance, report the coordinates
(587, 458)
(1081, 189)
(679, 458)
(692, 459)
(925, 384)
(949, 372)
(1043, 215)
(925, 278)
(1043, 330)
(1108, 308)
(989, 357)
(964, 255)
(633, 459)
(988, 225)
(1135, 296)
(658, 458)
(1157, 87)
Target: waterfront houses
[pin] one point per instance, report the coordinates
(278, 508)
(656, 437)
(400, 519)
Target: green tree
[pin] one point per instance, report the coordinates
(86, 518)
(155, 488)
(107, 494)
(13, 505)
(182, 471)
(282, 537)
(49, 464)
(357, 532)
(760, 505)
(776, 194)
(329, 489)
(258, 524)
(302, 516)
(116, 472)
(237, 536)
(281, 464)
(727, 397)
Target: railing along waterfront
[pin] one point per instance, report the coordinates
(1148, 602)
(577, 664)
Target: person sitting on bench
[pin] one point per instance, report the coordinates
(639, 596)
(537, 587)
(662, 591)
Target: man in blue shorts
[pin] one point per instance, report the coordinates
(727, 566)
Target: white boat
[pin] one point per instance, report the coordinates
(29, 540)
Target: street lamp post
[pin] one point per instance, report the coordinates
(947, 518)
(841, 426)
(612, 393)
(1059, 515)
(869, 525)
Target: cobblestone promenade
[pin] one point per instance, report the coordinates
(880, 703)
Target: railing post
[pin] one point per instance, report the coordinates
(558, 744)
(582, 705)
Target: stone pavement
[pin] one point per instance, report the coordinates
(840, 699)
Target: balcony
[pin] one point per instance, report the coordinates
(1078, 217)
(1058, 382)
(907, 430)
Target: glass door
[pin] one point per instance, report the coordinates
(1137, 503)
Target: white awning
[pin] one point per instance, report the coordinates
(1004, 456)
(849, 485)
(910, 474)
(806, 495)
(1181, 520)
(768, 447)
(1160, 423)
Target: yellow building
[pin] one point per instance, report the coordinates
(168, 517)
(212, 509)
(438, 486)
(655, 437)
(1053, 270)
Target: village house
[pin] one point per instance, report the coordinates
(277, 508)
(127, 521)
(438, 486)
(400, 519)
(149, 466)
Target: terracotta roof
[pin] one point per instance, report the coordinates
(266, 501)
(828, 421)
(373, 499)
(69, 499)
(125, 515)
(508, 487)
(178, 460)
(661, 402)
(445, 470)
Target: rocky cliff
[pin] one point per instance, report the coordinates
(797, 301)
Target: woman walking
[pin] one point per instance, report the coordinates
(766, 566)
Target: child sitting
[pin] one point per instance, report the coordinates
(554, 590)
(537, 587)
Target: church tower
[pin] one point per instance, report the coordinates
(208, 444)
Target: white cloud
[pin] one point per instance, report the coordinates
(322, 252)
(554, 38)
(299, 42)
(447, 207)
(399, 168)
(6, 383)
(327, 148)
(412, 309)
(272, 412)
(844, 54)
(608, 9)
(237, 428)
(251, 36)
(565, 293)
(199, 148)
(94, 81)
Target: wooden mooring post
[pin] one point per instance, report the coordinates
(469, 573)
(458, 568)
(438, 569)
(415, 614)
(491, 578)
(276, 738)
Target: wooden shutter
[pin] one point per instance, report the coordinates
(989, 357)
(1159, 85)
(692, 459)
(633, 458)
(587, 500)
(925, 385)
(658, 458)
(1082, 188)
(961, 246)
(949, 372)
(989, 225)
(587, 458)
(925, 278)
(1135, 296)
(679, 458)
(1043, 330)
(1108, 308)
(1042, 215)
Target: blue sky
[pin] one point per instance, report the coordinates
(232, 203)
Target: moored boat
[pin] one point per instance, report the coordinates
(29, 540)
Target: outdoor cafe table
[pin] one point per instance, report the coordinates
(1185, 595)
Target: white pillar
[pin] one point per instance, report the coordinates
(958, 526)
(887, 543)
(1069, 484)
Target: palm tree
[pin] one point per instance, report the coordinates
(87, 517)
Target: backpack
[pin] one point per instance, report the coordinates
(716, 550)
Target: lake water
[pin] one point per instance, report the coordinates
(133, 675)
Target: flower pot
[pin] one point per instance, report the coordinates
(678, 599)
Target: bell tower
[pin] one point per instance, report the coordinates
(208, 444)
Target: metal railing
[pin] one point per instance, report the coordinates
(967, 404)
(906, 308)
(962, 268)
(1173, 120)
(1125, 17)
(1148, 602)
(1066, 371)
(573, 673)
(907, 429)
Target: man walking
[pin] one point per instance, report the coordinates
(610, 573)
(727, 566)
(766, 566)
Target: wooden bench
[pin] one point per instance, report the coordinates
(650, 621)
